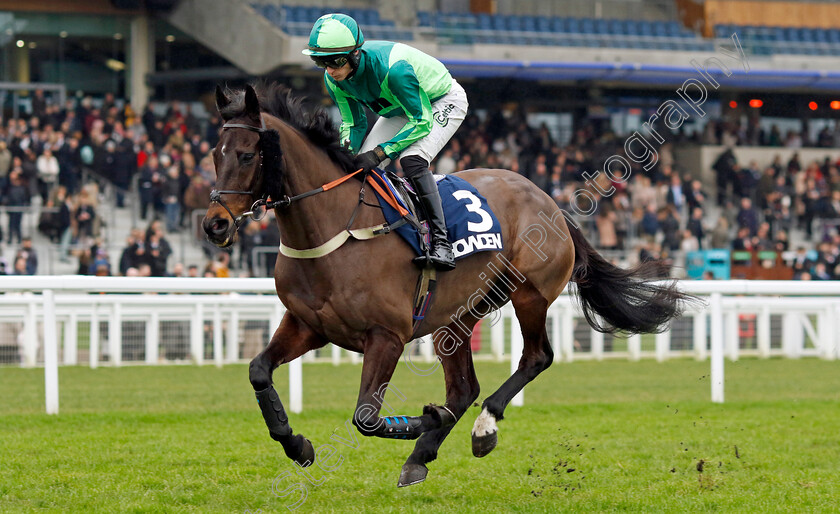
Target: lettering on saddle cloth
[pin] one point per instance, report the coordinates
(477, 242)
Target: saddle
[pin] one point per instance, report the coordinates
(409, 199)
(404, 192)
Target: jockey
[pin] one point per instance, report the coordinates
(419, 103)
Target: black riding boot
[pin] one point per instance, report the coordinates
(441, 253)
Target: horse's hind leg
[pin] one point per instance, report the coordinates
(452, 344)
(292, 339)
(530, 307)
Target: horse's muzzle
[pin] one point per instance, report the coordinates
(219, 231)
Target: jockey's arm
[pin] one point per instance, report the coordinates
(353, 118)
(404, 88)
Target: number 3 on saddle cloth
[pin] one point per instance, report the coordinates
(470, 224)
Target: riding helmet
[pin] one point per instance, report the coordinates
(335, 34)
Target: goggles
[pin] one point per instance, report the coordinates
(330, 61)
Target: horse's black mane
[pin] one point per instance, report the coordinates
(313, 121)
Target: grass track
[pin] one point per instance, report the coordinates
(591, 437)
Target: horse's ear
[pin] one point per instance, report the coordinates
(222, 101)
(252, 105)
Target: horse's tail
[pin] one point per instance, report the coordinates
(626, 299)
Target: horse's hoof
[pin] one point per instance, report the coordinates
(307, 453)
(412, 474)
(484, 434)
(482, 445)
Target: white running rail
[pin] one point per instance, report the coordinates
(208, 314)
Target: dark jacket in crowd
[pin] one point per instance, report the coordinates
(16, 195)
(69, 166)
(125, 164)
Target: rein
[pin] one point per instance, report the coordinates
(339, 239)
(359, 234)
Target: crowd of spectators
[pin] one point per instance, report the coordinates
(662, 207)
(730, 133)
(24, 262)
(165, 160)
(652, 206)
(60, 156)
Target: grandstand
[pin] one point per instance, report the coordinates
(557, 83)
(296, 20)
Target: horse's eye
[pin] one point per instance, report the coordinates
(247, 157)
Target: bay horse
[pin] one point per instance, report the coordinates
(360, 296)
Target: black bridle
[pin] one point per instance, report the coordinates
(285, 201)
(216, 195)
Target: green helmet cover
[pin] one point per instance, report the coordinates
(334, 34)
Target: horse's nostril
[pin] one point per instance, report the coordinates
(217, 227)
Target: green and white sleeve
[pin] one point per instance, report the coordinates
(402, 85)
(353, 119)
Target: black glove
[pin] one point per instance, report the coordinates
(369, 160)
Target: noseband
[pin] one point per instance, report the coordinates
(216, 196)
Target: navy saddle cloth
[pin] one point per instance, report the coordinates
(471, 225)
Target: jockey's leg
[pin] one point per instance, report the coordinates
(416, 169)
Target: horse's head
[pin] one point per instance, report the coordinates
(247, 160)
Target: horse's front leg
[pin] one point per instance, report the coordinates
(292, 339)
(382, 353)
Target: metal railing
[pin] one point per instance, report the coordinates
(466, 35)
(756, 46)
(14, 89)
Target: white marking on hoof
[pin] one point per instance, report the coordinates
(484, 424)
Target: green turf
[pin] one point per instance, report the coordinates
(591, 437)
